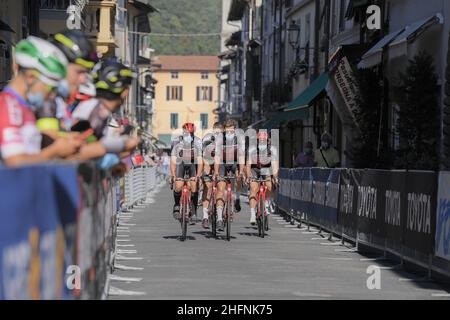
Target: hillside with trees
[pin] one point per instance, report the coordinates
(186, 16)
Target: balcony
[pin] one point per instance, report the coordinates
(99, 19)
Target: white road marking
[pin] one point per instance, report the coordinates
(119, 257)
(441, 295)
(310, 232)
(128, 224)
(119, 251)
(373, 259)
(125, 245)
(113, 277)
(127, 268)
(330, 244)
(346, 250)
(123, 235)
(123, 240)
(290, 226)
(119, 292)
(311, 295)
(339, 259)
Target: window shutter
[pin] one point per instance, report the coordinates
(168, 93)
(180, 97)
(210, 93)
(198, 93)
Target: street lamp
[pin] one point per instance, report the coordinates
(293, 34)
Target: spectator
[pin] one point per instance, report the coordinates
(305, 159)
(41, 67)
(327, 156)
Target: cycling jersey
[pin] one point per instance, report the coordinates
(18, 131)
(231, 151)
(186, 152)
(261, 161)
(209, 148)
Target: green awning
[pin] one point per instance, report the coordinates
(285, 117)
(166, 139)
(308, 96)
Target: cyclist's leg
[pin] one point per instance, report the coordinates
(254, 186)
(194, 191)
(178, 186)
(238, 188)
(268, 194)
(220, 196)
(206, 190)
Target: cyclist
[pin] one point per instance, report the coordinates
(186, 157)
(230, 158)
(262, 162)
(112, 80)
(209, 150)
(40, 68)
(82, 57)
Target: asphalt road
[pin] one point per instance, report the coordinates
(288, 264)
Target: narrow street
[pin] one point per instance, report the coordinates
(291, 263)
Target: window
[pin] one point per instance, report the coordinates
(204, 93)
(174, 121)
(174, 93)
(205, 75)
(174, 75)
(204, 120)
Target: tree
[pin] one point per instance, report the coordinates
(364, 149)
(417, 96)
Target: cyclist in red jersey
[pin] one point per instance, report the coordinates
(209, 150)
(41, 66)
(186, 157)
(230, 158)
(262, 162)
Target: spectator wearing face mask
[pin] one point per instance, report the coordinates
(305, 159)
(327, 156)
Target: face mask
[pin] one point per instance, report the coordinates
(64, 89)
(35, 99)
(229, 136)
(262, 147)
(325, 145)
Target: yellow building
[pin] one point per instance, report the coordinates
(187, 91)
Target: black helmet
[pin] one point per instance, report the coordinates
(77, 48)
(112, 76)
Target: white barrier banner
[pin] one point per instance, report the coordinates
(443, 217)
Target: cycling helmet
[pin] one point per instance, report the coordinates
(86, 90)
(44, 57)
(112, 76)
(189, 127)
(77, 48)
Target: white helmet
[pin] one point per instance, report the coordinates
(39, 54)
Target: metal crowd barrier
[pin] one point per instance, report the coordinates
(60, 241)
(402, 213)
(138, 182)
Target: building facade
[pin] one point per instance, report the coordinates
(186, 91)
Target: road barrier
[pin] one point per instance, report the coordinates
(59, 225)
(405, 213)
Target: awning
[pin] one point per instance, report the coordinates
(397, 41)
(399, 46)
(237, 9)
(165, 139)
(310, 94)
(234, 39)
(5, 27)
(373, 56)
(276, 121)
